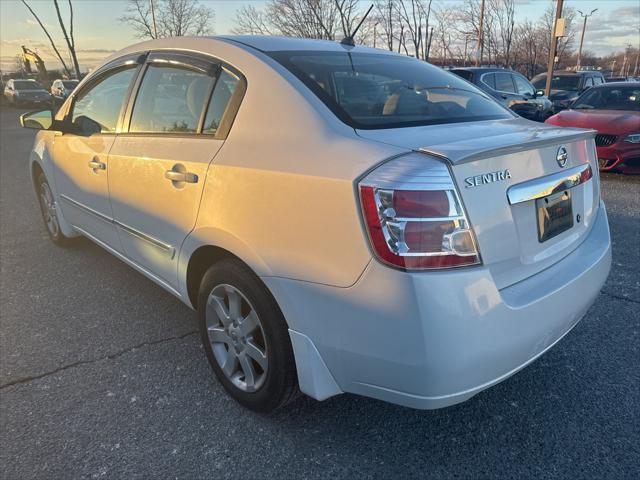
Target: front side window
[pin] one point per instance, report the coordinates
(388, 91)
(504, 83)
(102, 102)
(170, 100)
(588, 82)
(523, 86)
(224, 90)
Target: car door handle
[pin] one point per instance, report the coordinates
(177, 176)
(97, 165)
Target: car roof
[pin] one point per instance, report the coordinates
(485, 69)
(268, 43)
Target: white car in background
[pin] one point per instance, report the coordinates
(61, 89)
(343, 219)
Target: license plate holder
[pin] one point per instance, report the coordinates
(554, 215)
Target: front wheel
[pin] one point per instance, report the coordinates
(49, 211)
(246, 338)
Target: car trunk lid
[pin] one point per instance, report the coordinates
(487, 160)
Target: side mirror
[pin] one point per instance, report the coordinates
(38, 120)
(539, 93)
(87, 126)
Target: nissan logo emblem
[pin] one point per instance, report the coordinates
(562, 156)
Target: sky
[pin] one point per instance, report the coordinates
(99, 33)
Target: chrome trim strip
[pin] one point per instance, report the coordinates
(142, 236)
(543, 186)
(81, 206)
(136, 233)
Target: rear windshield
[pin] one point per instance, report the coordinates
(386, 91)
(559, 82)
(26, 85)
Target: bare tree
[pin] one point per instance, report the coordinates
(386, 17)
(46, 32)
(319, 19)
(71, 43)
(174, 18)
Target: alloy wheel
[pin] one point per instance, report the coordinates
(48, 207)
(237, 337)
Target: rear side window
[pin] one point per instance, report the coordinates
(103, 101)
(387, 91)
(504, 83)
(170, 100)
(225, 88)
(466, 74)
(490, 80)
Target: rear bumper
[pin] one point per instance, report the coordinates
(429, 340)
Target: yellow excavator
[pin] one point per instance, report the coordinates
(30, 57)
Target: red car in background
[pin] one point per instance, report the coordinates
(613, 109)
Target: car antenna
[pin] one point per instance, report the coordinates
(348, 40)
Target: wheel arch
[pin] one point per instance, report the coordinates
(197, 256)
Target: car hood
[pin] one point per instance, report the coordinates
(465, 142)
(609, 121)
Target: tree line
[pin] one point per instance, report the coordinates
(462, 33)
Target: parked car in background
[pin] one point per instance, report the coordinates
(566, 86)
(511, 89)
(61, 89)
(613, 110)
(343, 219)
(26, 93)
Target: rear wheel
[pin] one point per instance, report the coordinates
(48, 209)
(246, 338)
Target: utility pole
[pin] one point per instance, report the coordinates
(624, 60)
(153, 18)
(584, 27)
(480, 45)
(553, 47)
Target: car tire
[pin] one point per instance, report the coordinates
(48, 209)
(256, 367)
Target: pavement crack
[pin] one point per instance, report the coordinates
(620, 297)
(21, 381)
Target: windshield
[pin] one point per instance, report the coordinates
(70, 84)
(387, 91)
(610, 98)
(559, 82)
(25, 85)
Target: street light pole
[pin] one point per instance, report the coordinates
(584, 27)
(480, 45)
(552, 48)
(153, 18)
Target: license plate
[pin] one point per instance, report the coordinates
(555, 215)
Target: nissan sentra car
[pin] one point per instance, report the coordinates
(342, 219)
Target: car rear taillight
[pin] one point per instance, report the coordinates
(414, 216)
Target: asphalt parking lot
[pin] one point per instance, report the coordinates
(102, 376)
